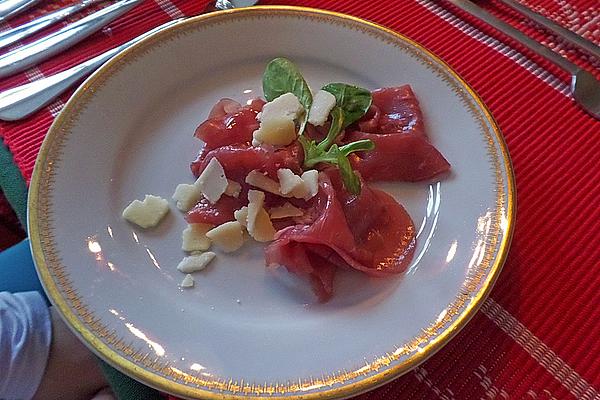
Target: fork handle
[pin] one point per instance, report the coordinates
(516, 34)
(547, 23)
(24, 100)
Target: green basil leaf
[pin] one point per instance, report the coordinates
(282, 76)
(337, 121)
(353, 100)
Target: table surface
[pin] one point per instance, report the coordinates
(538, 334)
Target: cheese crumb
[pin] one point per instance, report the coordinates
(285, 211)
(275, 131)
(311, 180)
(195, 263)
(187, 282)
(261, 181)
(241, 216)
(285, 106)
(233, 189)
(146, 213)
(186, 196)
(323, 103)
(288, 181)
(194, 237)
(212, 182)
(228, 236)
(259, 224)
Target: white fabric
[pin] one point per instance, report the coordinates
(25, 335)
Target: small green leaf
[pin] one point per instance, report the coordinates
(353, 100)
(337, 121)
(282, 76)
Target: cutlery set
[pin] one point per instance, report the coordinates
(20, 102)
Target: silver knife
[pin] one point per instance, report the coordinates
(41, 49)
(24, 100)
(10, 36)
(10, 8)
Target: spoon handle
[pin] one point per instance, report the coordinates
(24, 100)
(516, 34)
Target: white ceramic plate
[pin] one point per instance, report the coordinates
(244, 331)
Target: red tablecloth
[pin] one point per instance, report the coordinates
(538, 335)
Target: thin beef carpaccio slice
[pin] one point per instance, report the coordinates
(229, 123)
(402, 151)
(397, 157)
(370, 232)
(394, 110)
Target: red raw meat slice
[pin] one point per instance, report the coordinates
(216, 214)
(394, 110)
(238, 160)
(396, 157)
(230, 124)
(370, 232)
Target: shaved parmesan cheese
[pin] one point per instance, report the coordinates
(147, 213)
(212, 182)
(285, 211)
(259, 224)
(323, 103)
(257, 179)
(233, 189)
(228, 236)
(288, 181)
(275, 131)
(186, 196)
(285, 106)
(187, 282)
(194, 237)
(195, 263)
(241, 216)
(311, 180)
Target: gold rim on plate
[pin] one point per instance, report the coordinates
(340, 384)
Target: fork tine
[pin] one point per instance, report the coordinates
(10, 8)
(10, 36)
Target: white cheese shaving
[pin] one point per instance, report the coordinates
(233, 188)
(212, 182)
(186, 196)
(187, 282)
(286, 106)
(228, 236)
(194, 237)
(275, 131)
(285, 211)
(288, 181)
(323, 103)
(258, 223)
(146, 213)
(311, 180)
(241, 216)
(195, 263)
(261, 181)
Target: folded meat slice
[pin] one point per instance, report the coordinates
(397, 157)
(229, 123)
(370, 232)
(394, 110)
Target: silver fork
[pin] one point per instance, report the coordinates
(585, 88)
(20, 102)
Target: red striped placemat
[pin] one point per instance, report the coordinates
(538, 335)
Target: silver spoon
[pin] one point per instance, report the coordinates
(585, 88)
(22, 101)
